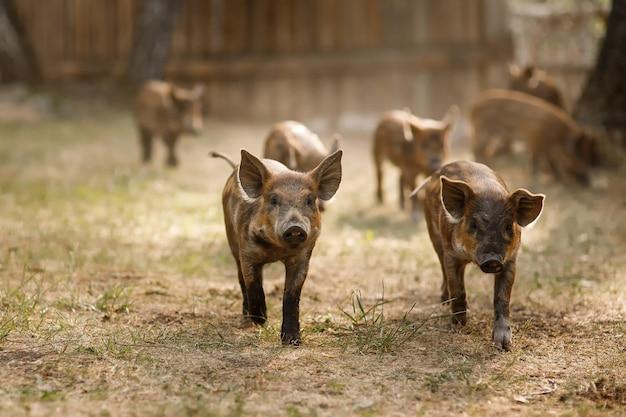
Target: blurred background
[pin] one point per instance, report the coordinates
(335, 65)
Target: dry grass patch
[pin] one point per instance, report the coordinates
(119, 296)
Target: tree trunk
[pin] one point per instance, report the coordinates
(17, 61)
(153, 38)
(603, 101)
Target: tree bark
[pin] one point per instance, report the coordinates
(153, 38)
(603, 101)
(17, 60)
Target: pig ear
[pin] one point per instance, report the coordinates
(454, 197)
(252, 174)
(528, 206)
(179, 95)
(450, 118)
(198, 91)
(514, 70)
(529, 71)
(328, 175)
(335, 143)
(414, 130)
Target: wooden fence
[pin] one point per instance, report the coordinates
(337, 60)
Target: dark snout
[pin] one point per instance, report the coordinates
(294, 235)
(435, 163)
(492, 265)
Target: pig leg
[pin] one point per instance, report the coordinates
(455, 275)
(145, 137)
(295, 272)
(411, 184)
(436, 241)
(535, 161)
(253, 277)
(379, 178)
(402, 183)
(445, 294)
(501, 302)
(555, 166)
(170, 142)
(244, 293)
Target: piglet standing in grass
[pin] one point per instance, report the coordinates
(416, 146)
(472, 217)
(271, 214)
(165, 110)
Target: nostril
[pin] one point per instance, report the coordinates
(294, 234)
(492, 266)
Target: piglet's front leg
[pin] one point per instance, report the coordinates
(295, 274)
(253, 277)
(501, 302)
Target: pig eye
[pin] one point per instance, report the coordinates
(274, 201)
(508, 229)
(310, 201)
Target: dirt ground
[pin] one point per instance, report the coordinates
(119, 296)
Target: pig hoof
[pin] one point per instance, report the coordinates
(445, 298)
(246, 323)
(459, 319)
(257, 319)
(172, 163)
(502, 337)
(290, 339)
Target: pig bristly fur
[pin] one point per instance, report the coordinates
(271, 214)
(472, 218)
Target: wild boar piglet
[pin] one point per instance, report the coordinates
(472, 218)
(416, 146)
(271, 214)
(165, 110)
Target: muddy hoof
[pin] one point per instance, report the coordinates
(292, 339)
(502, 336)
(459, 319)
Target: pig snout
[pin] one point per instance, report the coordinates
(491, 264)
(294, 235)
(435, 163)
(193, 125)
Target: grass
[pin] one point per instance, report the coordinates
(372, 332)
(119, 296)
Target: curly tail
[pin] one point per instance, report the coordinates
(214, 154)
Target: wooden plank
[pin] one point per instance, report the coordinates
(365, 61)
(325, 25)
(261, 22)
(283, 26)
(219, 37)
(125, 23)
(235, 26)
(304, 26)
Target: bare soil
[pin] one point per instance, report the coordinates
(119, 296)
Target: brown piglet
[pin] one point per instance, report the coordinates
(271, 214)
(416, 146)
(473, 218)
(297, 147)
(165, 110)
(535, 82)
(553, 139)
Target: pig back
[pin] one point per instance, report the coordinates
(390, 139)
(295, 146)
(542, 86)
(155, 110)
(518, 116)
